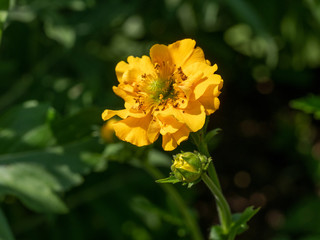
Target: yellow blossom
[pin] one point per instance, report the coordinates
(169, 93)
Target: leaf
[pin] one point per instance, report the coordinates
(65, 35)
(26, 127)
(76, 126)
(216, 233)
(246, 13)
(240, 220)
(309, 104)
(5, 6)
(171, 179)
(5, 231)
(32, 166)
(38, 177)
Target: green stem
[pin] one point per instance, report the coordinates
(223, 207)
(203, 148)
(172, 192)
(213, 184)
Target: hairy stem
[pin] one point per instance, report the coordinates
(224, 210)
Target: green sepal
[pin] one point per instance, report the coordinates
(170, 179)
(194, 183)
(186, 176)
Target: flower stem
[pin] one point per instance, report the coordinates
(223, 207)
(213, 183)
(179, 202)
(203, 148)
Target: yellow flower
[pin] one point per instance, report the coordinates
(169, 93)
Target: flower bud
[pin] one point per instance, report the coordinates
(188, 167)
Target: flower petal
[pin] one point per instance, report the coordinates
(159, 53)
(181, 50)
(107, 114)
(210, 99)
(153, 131)
(169, 124)
(196, 56)
(210, 82)
(171, 141)
(134, 130)
(121, 68)
(130, 72)
(128, 97)
(193, 116)
(182, 134)
(168, 142)
(143, 64)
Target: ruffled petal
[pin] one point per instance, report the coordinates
(134, 130)
(196, 56)
(159, 53)
(168, 142)
(193, 116)
(169, 124)
(182, 134)
(210, 99)
(121, 68)
(171, 141)
(131, 72)
(107, 114)
(153, 131)
(181, 50)
(128, 97)
(210, 82)
(143, 64)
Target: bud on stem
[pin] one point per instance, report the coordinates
(187, 168)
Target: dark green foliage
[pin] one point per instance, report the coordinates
(57, 61)
(309, 104)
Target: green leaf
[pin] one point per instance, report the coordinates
(36, 170)
(77, 126)
(171, 179)
(37, 177)
(65, 35)
(216, 233)
(4, 8)
(240, 220)
(26, 127)
(309, 104)
(5, 231)
(246, 13)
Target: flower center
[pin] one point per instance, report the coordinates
(160, 89)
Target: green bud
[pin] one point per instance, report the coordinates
(187, 167)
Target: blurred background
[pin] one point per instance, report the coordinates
(60, 180)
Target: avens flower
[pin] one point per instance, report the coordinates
(169, 93)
